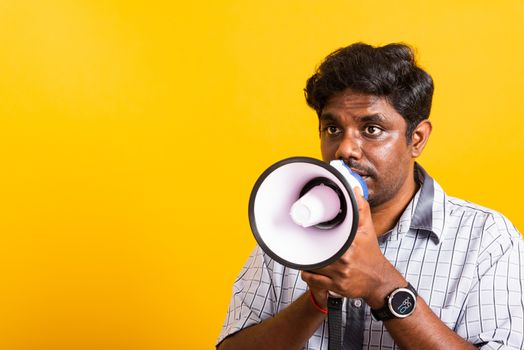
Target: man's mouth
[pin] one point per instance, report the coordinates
(360, 169)
(360, 173)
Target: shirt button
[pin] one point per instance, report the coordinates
(357, 303)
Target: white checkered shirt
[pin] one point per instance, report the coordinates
(465, 261)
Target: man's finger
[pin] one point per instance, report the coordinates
(316, 280)
(363, 206)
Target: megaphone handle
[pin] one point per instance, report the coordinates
(335, 322)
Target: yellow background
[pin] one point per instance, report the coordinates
(131, 133)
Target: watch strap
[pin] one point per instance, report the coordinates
(382, 314)
(335, 323)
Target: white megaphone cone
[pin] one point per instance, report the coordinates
(303, 212)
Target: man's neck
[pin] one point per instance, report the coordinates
(385, 216)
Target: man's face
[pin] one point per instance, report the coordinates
(370, 136)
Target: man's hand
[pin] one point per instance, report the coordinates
(362, 272)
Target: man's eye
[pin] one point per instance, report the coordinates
(333, 130)
(373, 130)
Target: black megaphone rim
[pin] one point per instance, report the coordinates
(260, 241)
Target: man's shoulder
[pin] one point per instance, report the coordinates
(459, 206)
(493, 218)
(495, 231)
(260, 260)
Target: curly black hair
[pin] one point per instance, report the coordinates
(388, 71)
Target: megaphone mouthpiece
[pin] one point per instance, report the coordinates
(319, 204)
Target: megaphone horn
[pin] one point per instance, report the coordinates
(303, 212)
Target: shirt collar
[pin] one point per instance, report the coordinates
(425, 211)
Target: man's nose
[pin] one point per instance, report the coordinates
(349, 148)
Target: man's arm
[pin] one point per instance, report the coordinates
(289, 329)
(424, 330)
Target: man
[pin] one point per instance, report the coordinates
(462, 263)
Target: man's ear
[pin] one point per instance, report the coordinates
(420, 137)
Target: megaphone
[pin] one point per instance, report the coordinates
(303, 212)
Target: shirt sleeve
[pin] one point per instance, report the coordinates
(253, 298)
(492, 317)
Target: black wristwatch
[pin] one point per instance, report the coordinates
(400, 303)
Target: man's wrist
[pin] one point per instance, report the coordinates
(316, 305)
(319, 297)
(377, 298)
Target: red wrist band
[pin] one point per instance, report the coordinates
(314, 302)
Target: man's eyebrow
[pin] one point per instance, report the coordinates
(327, 117)
(372, 118)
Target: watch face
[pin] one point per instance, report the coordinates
(402, 302)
